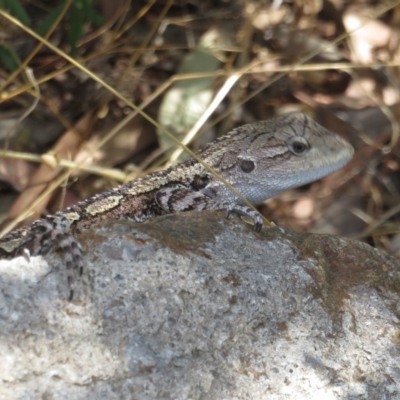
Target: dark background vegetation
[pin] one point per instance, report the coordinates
(64, 136)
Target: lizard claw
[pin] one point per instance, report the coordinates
(244, 210)
(71, 289)
(258, 226)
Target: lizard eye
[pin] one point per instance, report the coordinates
(298, 146)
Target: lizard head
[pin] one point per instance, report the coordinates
(265, 158)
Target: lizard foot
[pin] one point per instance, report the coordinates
(244, 210)
(50, 234)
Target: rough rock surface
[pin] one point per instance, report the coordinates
(193, 306)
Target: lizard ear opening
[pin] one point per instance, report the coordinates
(247, 166)
(298, 145)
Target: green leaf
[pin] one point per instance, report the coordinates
(95, 18)
(48, 22)
(9, 57)
(17, 10)
(78, 4)
(75, 30)
(80, 12)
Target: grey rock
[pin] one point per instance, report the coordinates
(194, 306)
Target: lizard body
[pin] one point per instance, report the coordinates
(260, 160)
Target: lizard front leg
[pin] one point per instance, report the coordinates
(227, 200)
(244, 210)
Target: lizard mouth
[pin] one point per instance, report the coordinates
(323, 170)
(319, 170)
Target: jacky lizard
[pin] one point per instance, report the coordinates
(259, 160)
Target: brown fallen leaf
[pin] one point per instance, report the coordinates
(66, 147)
